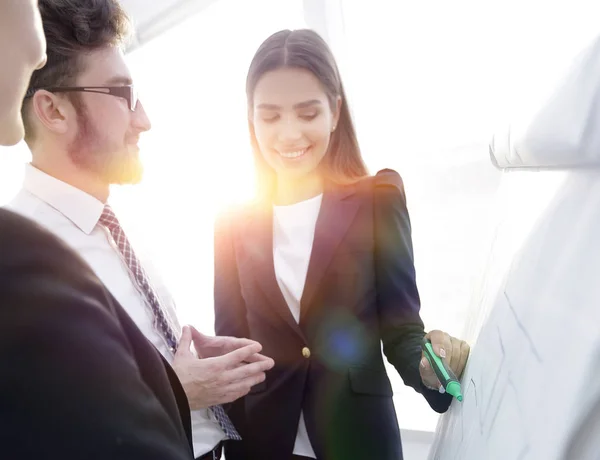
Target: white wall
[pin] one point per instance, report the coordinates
(416, 444)
(12, 160)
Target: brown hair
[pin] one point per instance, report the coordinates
(74, 28)
(305, 49)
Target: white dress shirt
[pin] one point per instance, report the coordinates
(293, 236)
(73, 215)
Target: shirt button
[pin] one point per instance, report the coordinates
(306, 352)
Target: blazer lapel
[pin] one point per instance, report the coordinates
(338, 210)
(259, 247)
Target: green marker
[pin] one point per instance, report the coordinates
(442, 371)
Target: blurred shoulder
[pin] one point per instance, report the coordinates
(383, 179)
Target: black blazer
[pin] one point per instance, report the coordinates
(360, 291)
(78, 380)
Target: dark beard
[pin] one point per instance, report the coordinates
(112, 167)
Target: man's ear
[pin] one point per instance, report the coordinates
(53, 111)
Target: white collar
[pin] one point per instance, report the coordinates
(81, 208)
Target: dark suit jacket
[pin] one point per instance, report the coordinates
(78, 380)
(360, 291)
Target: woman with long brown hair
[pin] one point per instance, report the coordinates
(320, 271)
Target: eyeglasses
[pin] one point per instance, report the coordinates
(127, 92)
